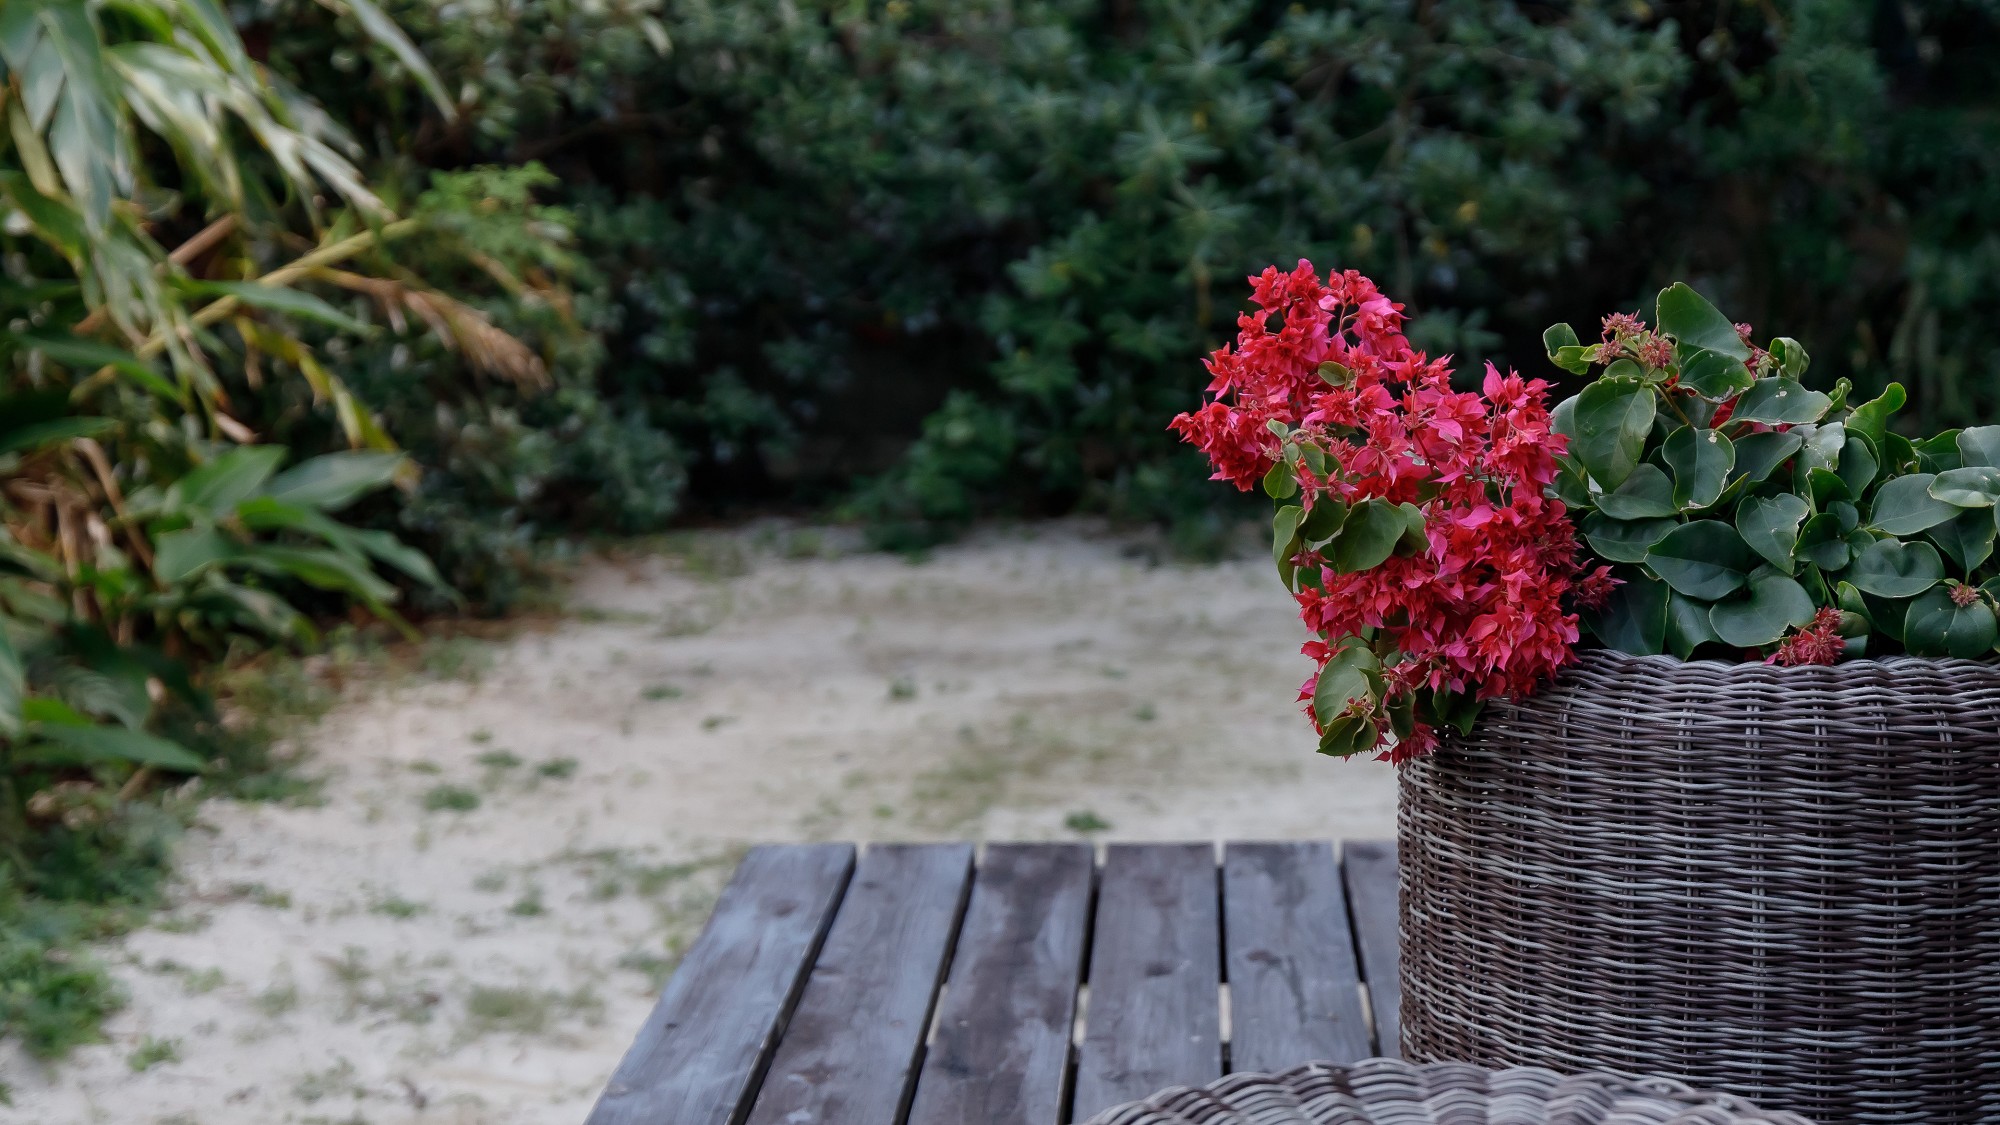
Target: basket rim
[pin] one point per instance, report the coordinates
(1608, 655)
(1742, 1111)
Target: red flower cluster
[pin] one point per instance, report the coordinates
(1817, 643)
(1479, 611)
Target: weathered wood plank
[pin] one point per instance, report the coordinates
(1001, 1053)
(699, 1053)
(1373, 892)
(1294, 984)
(850, 1054)
(1154, 1015)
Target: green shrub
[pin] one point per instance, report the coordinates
(820, 224)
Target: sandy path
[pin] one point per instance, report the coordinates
(391, 956)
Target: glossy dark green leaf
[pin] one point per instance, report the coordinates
(1368, 537)
(1826, 486)
(1574, 359)
(1979, 445)
(1898, 455)
(1623, 541)
(1974, 486)
(1613, 419)
(1773, 605)
(1758, 455)
(1646, 494)
(1966, 539)
(1823, 543)
(1935, 625)
(1353, 673)
(1905, 506)
(1285, 540)
(1791, 356)
(1347, 735)
(1558, 336)
(1634, 618)
(1687, 625)
(1701, 461)
(1705, 560)
(1416, 538)
(1688, 317)
(1714, 376)
(1940, 452)
(1891, 568)
(1780, 400)
(1858, 465)
(1323, 520)
(1871, 418)
(1770, 525)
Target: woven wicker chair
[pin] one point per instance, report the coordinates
(1393, 1092)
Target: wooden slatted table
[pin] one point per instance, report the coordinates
(1030, 984)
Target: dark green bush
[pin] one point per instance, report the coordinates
(819, 224)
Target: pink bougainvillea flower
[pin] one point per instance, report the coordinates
(1480, 609)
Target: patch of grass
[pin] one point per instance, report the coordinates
(490, 882)
(1145, 713)
(482, 736)
(557, 768)
(397, 991)
(656, 692)
(151, 1052)
(279, 998)
(902, 688)
(200, 982)
(426, 766)
(335, 1081)
(715, 721)
(261, 895)
(525, 1011)
(396, 907)
(1086, 821)
(499, 759)
(453, 798)
(529, 905)
(455, 658)
(655, 967)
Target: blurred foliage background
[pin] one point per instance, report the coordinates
(316, 311)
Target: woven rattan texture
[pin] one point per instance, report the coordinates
(1779, 882)
(1392, 1092)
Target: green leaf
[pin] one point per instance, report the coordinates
(1871, 418)
(1940, 453)
(1688, 317)
(1416, 534)
(1905, 506)
(1858, 466)
(13, 686)
(63, 743)
(325, 569)
(1966, 539)
(1323, 520)
(1280, 483)
(1975, 486)
(1353, 673)
(1826, 486)
(1979, 445)
(1701, 460)
(1758, 455)
(1285, 539)
(385, 31)
(42, 435)
(1779, 401)
(1937, 626)
(1714, 376)
(1687, 625)
(1775, 604)
(1558, 336)
(1369, 536)
(228, 480)
(1705, 559)
(278, 299)
(83, 355)
(1891, 568)
(1770, 525)
(1647, 493)
(1613, 418)
(1634, 618)
(332, 481)
(1792, 358)
(1621, 540)
(179, 555)
(1823, 542)
(1347, 735)
(1574, 359)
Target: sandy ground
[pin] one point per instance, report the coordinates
(473, 924)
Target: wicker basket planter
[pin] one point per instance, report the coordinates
(1783, 883)
(1392, 1092)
